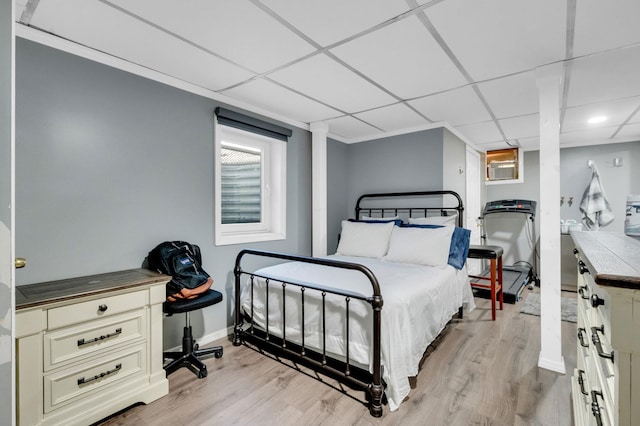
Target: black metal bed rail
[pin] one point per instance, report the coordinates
(372, 383)
(459, 207)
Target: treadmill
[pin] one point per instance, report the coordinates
(514, 277)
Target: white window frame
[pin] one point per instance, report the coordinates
(273, 188)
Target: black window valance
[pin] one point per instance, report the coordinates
(251, 124)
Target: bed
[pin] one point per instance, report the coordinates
(367, 314)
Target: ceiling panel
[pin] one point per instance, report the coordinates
(347, 127)
(290, 104)
(459, 106)
(513, 95)
(524, 126)
(480, 133)
(588, 136)
(215, 24)
(329, 21)
(140, 44)
(529, 144)
(604, 77)
(497, 37)
(317, 77)
(617, 112)
(603, 25)
(630, 131)
(393, 117)
(384, 54)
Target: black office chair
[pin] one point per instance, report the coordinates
(189, 357)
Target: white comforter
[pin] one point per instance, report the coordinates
(418, 303)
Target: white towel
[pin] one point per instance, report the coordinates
(595, 208)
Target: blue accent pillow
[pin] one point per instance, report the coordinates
(459, 248)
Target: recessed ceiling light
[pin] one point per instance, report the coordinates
(597, 119)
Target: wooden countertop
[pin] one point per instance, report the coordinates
(31, 295)
(613, 258)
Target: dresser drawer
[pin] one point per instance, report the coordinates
(72, 344)
(74, 383)
(580, 397)
(95, 309)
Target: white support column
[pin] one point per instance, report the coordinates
(319, 132)
(549, 80)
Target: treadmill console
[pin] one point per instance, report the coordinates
(510, 206)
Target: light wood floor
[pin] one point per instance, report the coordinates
(481, 373)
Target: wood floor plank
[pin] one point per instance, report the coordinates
(481, 372)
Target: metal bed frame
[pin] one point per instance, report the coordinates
(245, 330)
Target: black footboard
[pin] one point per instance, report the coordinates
(245, 329)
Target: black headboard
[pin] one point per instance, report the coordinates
(422, 202)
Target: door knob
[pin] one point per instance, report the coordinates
(20, 262)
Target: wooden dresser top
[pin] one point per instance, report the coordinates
(613, 258)
(28, 296)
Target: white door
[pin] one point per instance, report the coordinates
(7, 301)
(472, 206)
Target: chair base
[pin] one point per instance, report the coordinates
(189, 356)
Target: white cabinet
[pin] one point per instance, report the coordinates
(606, 383)
(88, 347)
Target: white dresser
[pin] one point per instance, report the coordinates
(88, 347)
(606, 382)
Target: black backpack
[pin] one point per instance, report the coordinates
(182, 261)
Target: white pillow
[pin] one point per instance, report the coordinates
(434, 220)
(364, 239)
(422, 246)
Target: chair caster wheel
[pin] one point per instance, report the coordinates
(218, 354)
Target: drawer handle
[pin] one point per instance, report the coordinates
(103, 308)
(581, 383)
(581, 338)
(582, 268)
(82, 342)
(595, 407)
(83, 381)
(596, 341)
(596, 301)
(582, 291)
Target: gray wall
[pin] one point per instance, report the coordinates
(6, 308)
(337, 191)
(454, 162)
(407, 162)
(110, 164)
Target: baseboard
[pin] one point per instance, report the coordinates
(548, 364)
(207, 338)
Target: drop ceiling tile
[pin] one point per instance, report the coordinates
(630, 131)
(497, 37)
(347, 127)
(272, 97)
(456, 107)
(605, 25)
(481, 133)
(492, 146)
(604, 77)
(393, 117)
(524, 126)
(139, 44)
(404, 58)
(237, 30)
(512, 96)
(601, 135)
(529, 144)
(617, 112)
(329, 21)
(322, 78)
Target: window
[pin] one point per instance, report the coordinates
(504, 166)
(250, 189)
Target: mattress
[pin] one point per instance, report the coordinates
(418, 302)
